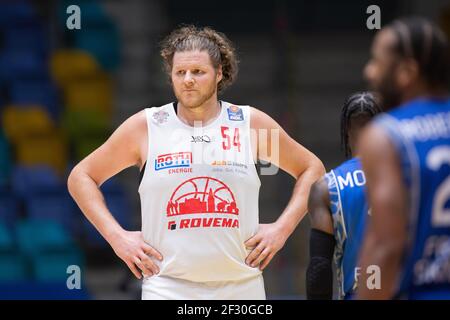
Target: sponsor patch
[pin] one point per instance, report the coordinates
(235, 113)
(199, 196)
(173, 160)
(160, 116)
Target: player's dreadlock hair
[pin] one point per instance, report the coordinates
(357, 105)
(219, 48)
(423, 41)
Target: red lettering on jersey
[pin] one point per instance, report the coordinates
(227, 223)
(226, 144)
(236, 141)
(184, 223)
(207, 222)
(195, 223)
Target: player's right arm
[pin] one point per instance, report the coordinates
(123, 149)
(319, 276)
(386, 231)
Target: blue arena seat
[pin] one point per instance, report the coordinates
(27, 180)
(6, 239)
(103, 44)
(13, 267)
(52, 266)
(23, 92)
(49, 248)
(30, 37)
(51, 204)
(5, 160)
(55, 290)
(22, 64)
(3, 99)
(35, 237)
(9, 207)
(15, 12)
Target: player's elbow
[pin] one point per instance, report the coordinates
(72, 180)
(75, 180)
(316, 168)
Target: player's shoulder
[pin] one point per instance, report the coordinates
(137, 122)
(159, 109)
(261, 120)
(154, 115)
(419, 106)
(376, 143)
(137, 119)
(349, 165)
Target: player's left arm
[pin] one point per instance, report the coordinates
(386, 229)
(319, 274)
(285, 153)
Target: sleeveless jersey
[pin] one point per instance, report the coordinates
(420, 132)
(349, 209)
(199, 194)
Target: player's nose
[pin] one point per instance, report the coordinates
(188, 79)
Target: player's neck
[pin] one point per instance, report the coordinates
(422, 91)
(201, 115)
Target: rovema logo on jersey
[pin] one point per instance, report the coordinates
(179, 162)
(209, 199)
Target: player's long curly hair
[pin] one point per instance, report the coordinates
(220, 49)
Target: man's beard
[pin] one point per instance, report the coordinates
(390, 95)
(198, 102)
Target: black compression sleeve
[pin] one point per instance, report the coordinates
(319, 277)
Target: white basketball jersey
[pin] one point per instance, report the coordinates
(199, 194)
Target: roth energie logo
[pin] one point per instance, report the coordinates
(173, 160)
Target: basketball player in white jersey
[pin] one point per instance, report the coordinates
(201, 237)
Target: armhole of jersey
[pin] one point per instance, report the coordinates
(144, 171)
(252, 156)
(339, 202)
(336, 216)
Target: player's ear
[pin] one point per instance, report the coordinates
(408, 72)
(219, 74)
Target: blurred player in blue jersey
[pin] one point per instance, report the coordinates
(338, 208)
(406, 157)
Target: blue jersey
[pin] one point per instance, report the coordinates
(346, 185)
(420, 132)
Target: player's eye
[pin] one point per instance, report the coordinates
(197, 71)
(181, 72)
